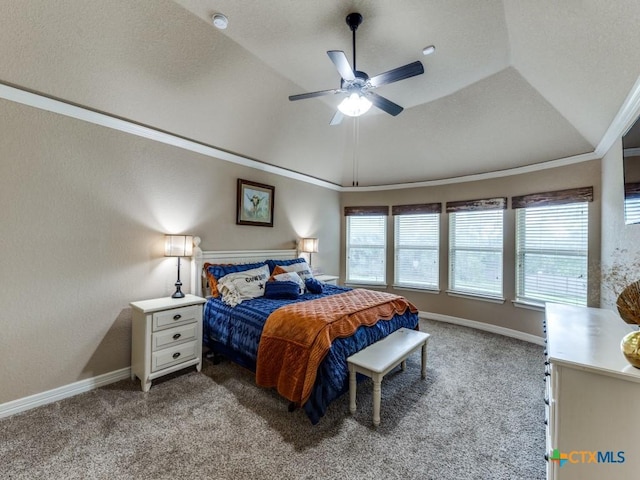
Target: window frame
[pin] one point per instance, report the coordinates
(562, 199)
(355, 212)
(430, 212)
(454, 209)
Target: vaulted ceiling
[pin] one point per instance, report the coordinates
(513, 83)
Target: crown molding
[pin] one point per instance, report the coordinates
(625, 117)
(79, 112)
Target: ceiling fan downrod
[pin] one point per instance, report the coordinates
(354, 20)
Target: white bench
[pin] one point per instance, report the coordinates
(380, 358)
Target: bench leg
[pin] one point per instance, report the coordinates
(352, 389)
(424, 360)
(377, 390)
(403, 365)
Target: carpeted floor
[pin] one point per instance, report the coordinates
(478, 415)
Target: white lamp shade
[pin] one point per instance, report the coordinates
(178, 245)
(354, 105)
(309, 245)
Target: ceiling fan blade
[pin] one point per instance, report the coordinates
(337, 118)
(400, 73)
(339, 59)
(384, 104)
(302, 96)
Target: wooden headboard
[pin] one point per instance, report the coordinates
(199, 284)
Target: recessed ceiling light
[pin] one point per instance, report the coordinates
(428, 50)
(220, 21)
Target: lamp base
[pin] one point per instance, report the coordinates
(177, 294)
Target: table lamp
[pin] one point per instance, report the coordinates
(309, 245)
(178, 246)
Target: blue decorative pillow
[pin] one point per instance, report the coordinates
(274, 263)
(313, 285)
(281, 290)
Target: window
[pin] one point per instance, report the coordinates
(632, 202)
(417, 238)
(552, 247)
(632, 210)
(366, 244)
(475, 247)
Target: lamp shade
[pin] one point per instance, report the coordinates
(178, 245)
(309, 245)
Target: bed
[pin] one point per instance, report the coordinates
(297, 345)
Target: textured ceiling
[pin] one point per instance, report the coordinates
(512, 83)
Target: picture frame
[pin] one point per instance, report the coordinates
(254, 205)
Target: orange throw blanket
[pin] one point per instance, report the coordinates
(297, 337)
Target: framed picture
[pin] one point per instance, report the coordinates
(255, 204)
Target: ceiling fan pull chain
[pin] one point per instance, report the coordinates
(356, 135)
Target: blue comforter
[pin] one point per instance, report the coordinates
(238, 330)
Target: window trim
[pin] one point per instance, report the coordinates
(413, 210)
(547, 199)
(370, 212)
(487, 204)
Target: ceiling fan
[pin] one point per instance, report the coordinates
(358, 86)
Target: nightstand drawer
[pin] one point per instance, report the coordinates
(175, 316)
(174, 336)
(173, 356)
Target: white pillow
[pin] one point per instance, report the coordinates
(301, 269)
(238, 286)
(290, 277)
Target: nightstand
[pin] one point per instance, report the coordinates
(330, 279)
(166, 336)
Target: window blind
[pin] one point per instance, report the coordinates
(417, 250)
(551, 251)
(632, 203)
(366, 249)
(632, 210)
(475, 251)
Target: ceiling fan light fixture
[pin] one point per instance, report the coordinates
(355, 105)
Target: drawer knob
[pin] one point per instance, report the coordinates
(176, 355)
(177, 336)
(177, 317)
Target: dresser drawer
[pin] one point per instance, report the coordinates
(173, 356)
(174, 336)
(175, 316)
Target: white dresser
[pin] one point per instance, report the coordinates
(592, 396)
(166, 335)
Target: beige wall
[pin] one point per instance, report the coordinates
(620, 242)
(84, 213)
(503, 315)
(84, 210)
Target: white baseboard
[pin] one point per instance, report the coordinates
(50, 396)
(507, 332)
